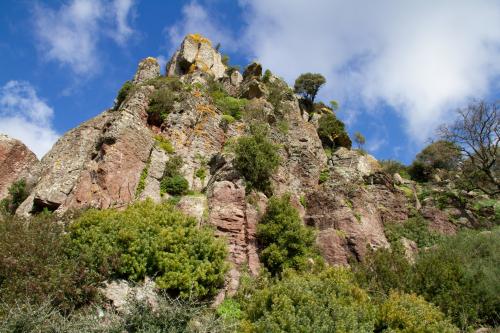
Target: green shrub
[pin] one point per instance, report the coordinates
(285, 241)
(256, 159)
(332, 133)
(151, 240)
(324, 176)
(123, 93)
(141, 185)
(173, 166)
(17, 194)
(461, 276)
(229, 105)
(326, 302)
(266, 76)
(408, 313)
(415, 228)
(393, 166)
(228, 118)
(308, 84)
(384, 270)
(160, 105)
(201, 173)
(34, 264)
(164, 144)
(175, 185)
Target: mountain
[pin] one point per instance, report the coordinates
(189, 120)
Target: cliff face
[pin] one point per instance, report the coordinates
(117, 158)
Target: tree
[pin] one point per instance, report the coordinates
(308, 84)
(256, 159)
(285, 241)
(360, 139)
(438, 155)
(332, 132)
(476, 133)
(334, 105)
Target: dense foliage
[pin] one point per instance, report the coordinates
(173, 182)
(308, 84)
(460, 275)
(162, 100)
(123, 93)
(332, 132)
(407, 313)
(329, 301)
(17, 194)
(34, 264)
(285, 241)
(153, 240)
(438, 155)
(415, 228)
(256, 158)
(175, 185)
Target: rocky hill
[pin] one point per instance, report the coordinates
(123, 154)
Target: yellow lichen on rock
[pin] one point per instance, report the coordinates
(196, 37)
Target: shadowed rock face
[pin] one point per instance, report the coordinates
(16, 161)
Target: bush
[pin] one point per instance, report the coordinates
(285, 241)
(160, 105)
(393, 166)
(326, 302)
(403, 313)
(308, 84)
(384, 270)
(151, 240)
(141, 185)
(256, 159)
(461, 276)
(229, 105)
(123, 93)
(17, 194)
(415, 228)
(332, 133)
(170, 315)
(175, 185)
(164, 144)
(34, 264)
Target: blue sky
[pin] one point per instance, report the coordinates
(397, 68)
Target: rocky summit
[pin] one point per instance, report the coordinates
(124, 154)
(102, 162)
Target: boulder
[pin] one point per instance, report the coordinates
(119, 293)
(254, 89)
(147, 69)
(253, 71)
(16, 162)
(196, 54)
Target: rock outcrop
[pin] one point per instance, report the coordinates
(117, 158)
(196, 53)
(16, 162)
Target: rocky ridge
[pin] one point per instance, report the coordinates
(117, 158)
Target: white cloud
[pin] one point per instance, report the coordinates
(422, 58)
(196, 19)
(70, 34)
(122, 9)
(24, 116)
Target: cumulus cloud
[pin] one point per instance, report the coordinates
(422, 58)
(196, 19)
(24, 116)
(71, 33)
